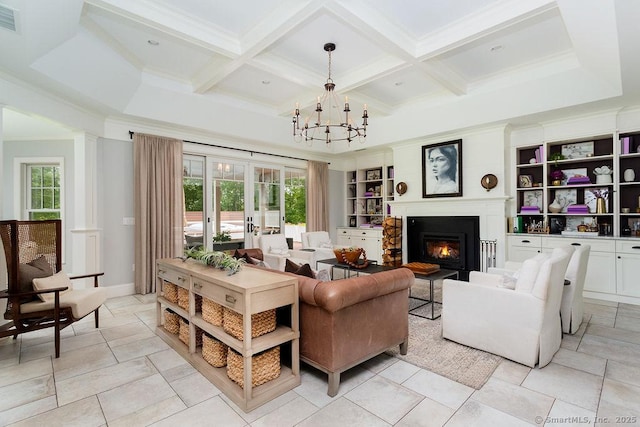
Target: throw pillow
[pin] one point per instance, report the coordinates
(249, 260)
(508, 281)
(35, 269)
(58, 280)
(527, 275)
(323, 275)
(300, 270)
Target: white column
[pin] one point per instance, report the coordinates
(85, 236)
(1, 164)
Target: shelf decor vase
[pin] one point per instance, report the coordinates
(603, 175)
(555, 207)
(629, 175)
(601, 206)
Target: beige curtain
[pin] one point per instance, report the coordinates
(158, 199)
(317, 200)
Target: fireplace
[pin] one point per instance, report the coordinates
(452, 242)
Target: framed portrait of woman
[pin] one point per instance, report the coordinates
(442, 169)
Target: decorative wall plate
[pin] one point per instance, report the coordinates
(401, 188)
(489, 181)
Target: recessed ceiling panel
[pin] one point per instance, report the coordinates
(538, 39)
(266, 88)
(305, 46)
(421, 18)
(236, 17)
(400, 87)
(156, 51)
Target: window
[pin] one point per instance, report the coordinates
(193, 187)
(295, 202)
(43, 191)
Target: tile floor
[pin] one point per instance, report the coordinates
(124, 375)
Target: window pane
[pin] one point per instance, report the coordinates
(56, 198)
(36, 199)
(36, 176)
(47, 198)
(56, 177)
(47, 176)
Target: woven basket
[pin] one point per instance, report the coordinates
(183, 298)
(211, 312)
(171, 322)
(183, 334)
(214, 352)
(170, 292)
(261, 323)
(265, 367)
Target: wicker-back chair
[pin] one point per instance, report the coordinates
(33, 249)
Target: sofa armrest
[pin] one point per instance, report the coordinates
(338, 294)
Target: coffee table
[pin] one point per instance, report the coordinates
(374, 267)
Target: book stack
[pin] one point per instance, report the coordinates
(539, 154)
(625, 142)
(579, 180)
(531, 210)
(577, 209)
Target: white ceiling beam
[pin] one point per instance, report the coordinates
(267, 32)
(111, 41)
(444, 76)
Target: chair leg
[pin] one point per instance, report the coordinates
(97, 317)
(56, 317)
(334, 383)
(404, 346)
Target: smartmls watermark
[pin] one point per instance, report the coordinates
(587, 420)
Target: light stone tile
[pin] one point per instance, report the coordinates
(616, 394)
(623, 372)
(171, 365)
(133, 309)
(132, 338)
(428, 413)
(605, 303)
(134, 396)
(139, 348)
(105, 323)
(66, 345)
(123, 301)
(83, 360)
(314, 384)
(475, 414)
(571, 385)
(151, 413)
(627, 323)
(148, 317)
(379, 363)
(514, 400)
(511, 372)
(94, 382)
(85, 413)
(146, 298)
(601, 310)
(123, 331)
(570, 342)
(384, 398)
(584, 362)
(45, 335)
(28, 410)
(399, 371)
(265, 409)
(202, 415)
(615, 333)
(9, 352)
(17, 394)
(343, 412)
(438, 388)
(194, 389)
(602, 320)
(26, 371)
(583, 327)
(290, 414)
(611, 349)
(629, 309)
(566, 414)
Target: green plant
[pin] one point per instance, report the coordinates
(555, 157)
(223, 236)
(216, 259)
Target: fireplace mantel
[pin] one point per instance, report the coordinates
(491, 211)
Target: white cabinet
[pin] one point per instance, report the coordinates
(521, 248)
(628, 267)
(369, 239)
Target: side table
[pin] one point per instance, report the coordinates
(431, 278)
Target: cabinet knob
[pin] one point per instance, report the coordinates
(230, 299)
(635, 247)
(197, 285)
(619, 257)
(576, 244)
(526, 241)
(182, 279)
(162, 271)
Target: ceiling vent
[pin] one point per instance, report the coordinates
(7, 18)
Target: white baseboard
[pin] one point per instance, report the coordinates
(125, 289)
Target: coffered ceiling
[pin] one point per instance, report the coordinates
(234, 70)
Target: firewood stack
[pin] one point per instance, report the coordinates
(392, 241)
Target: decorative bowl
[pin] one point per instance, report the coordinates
(349, 254)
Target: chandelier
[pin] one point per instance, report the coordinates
(333, 125)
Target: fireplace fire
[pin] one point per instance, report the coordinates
(444, 250)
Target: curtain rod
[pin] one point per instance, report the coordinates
(252, 152)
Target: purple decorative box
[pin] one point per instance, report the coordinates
(578, 209)
(529, 210)
(579, 180)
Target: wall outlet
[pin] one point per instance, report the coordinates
(127, 220)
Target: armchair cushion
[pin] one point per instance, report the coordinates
(527, 276)
(319, 239)
(34, 269)
(81, 301)
(58, 280)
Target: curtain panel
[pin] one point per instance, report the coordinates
(317, 197)
(158, 205)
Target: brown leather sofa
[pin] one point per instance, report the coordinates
(346, 322)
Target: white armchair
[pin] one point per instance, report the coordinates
(521, 324)
(321, 244)
(572, 306)
(276, 251)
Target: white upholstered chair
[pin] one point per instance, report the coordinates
(572, 306)
(276, 251)
(321, 244)
(521, 324)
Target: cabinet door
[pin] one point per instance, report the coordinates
(627, 267)
(521, 253)
(343, 240)
(601, 273)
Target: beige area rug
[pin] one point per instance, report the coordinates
(428, 350)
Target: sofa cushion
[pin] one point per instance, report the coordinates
(300, 270)
(58, 280)
(35, 269)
